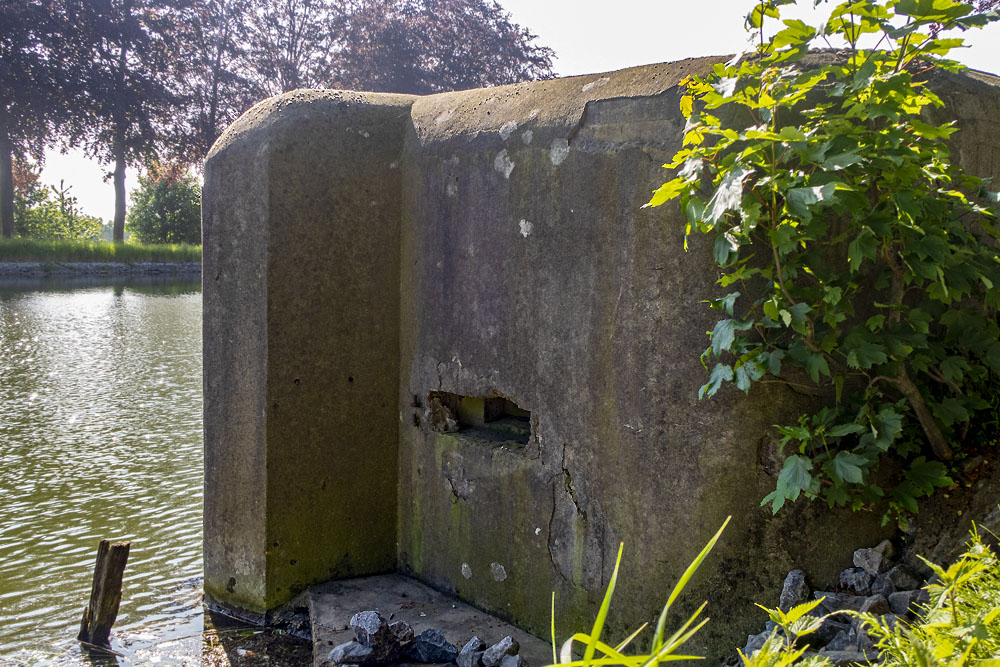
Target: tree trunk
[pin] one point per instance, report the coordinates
(119, 178)
(6, 183)
(912, 393)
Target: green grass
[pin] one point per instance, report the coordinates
(59, 250)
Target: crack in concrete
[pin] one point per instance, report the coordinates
(568, 483)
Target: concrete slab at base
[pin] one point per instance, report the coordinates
(332, 604)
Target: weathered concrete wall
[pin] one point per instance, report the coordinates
(301, 336)
(509, 251)
(536, 275)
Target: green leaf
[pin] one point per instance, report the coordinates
(816, 365)
(794, 478)
(864, 354)
(861, 248)
(728, 194)
(724, 334)
(721, 373)
(928, 474)
(847, 467)
(801, 199)
(840, 430)
(669, 190)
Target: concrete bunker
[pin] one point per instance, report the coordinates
(464, 248)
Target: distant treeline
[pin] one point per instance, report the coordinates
(133, 82)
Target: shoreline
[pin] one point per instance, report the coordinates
(72, 269)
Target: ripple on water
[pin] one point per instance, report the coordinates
(100, 416)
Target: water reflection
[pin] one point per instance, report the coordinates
(100, 425)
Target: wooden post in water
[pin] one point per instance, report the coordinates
(106, 594)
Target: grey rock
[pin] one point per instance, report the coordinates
(829, 631)
(794, 591)
(494, 654)
(882, 586)
(834, 602)
(755, 642)
(402, 631)
(857, 581)
(876, 560)
(901, 602)
(369, 627)
(844, 657)
(842, 642)
(471, 654)
(372, 630)
(513, 661)
(431, 646)
(903, 578)
(351, 653)
(876, 604)
(859, 637)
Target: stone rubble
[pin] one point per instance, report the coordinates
(876, 585)
(378, 642)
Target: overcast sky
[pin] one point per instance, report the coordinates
(588, 36)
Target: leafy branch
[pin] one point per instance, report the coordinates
(875, 282)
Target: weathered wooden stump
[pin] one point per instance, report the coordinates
(106, 594)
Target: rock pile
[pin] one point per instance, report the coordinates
(379, 642)
(876, 584)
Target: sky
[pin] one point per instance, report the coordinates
(588, 36)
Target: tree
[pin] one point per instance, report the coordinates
(290, 42)
(38, 215)
(128, 100)
(35, 89)
(167, 207)
(210, 76)
(430, 46)
(862, 260)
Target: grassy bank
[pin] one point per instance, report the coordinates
(54, 250)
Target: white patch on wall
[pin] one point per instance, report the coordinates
(559, 151)
(526, 227)
(538, 531)
(394, 164)
(595, 84)
(527, 136)
(534, 114)
(508, 129)
(451, 188)
(503, 163)
(466, 571)
(498, 572)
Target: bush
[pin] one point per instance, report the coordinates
(860, 260)
(48, 212)
(166, 208)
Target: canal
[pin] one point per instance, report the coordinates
(100, 437)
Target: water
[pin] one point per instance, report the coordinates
(100, 437)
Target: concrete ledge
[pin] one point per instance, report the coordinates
(332, 604)
(42, 269)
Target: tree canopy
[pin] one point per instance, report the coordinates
(137, 81)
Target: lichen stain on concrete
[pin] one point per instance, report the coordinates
(451, 188)
(559, 151)
(466, 571)
(498, 571)
(526, 227)
(444, 116)
(508, 129)
(503, 163)
(526, 137)
(595, 84)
